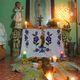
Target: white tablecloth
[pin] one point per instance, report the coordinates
(53, 44)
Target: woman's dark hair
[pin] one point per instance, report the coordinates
(17, 3)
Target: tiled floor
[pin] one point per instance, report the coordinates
(7, 74)
(77, 61)
(5, 71)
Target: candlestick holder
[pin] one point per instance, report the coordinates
(24, 61)
(24, 57)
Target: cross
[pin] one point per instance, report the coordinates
(40, 20)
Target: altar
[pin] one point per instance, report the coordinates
(42, 42)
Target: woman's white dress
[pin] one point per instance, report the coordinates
(3, 35)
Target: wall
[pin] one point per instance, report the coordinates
(73, 31)
(6, 7)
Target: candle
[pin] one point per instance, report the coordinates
(58, 24)
(54, 58)
(50, 59)
(24, 54)
(72, 78)
(49, 76)
(62, 55)
(26, 24)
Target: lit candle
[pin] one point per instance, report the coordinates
(54, 58)
(72, 78)
(26, 24)
(24, 54)
(58, 24)
(49, 76)
(62, 55)
(50, 59)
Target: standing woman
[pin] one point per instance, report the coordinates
(3, 39)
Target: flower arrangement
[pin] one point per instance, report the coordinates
(53, 23)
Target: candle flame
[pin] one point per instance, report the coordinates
(72, 78)
(62, 52)
(49, 76)
(25, 22)
(24, 52)
(54, 58)
(50, 58)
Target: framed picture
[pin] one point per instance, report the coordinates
(37, 8)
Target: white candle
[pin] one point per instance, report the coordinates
(50, 59)
(72, 78)
(58, 24)
(54, 58)
(24, 54)
(26, 24)
(49, 76)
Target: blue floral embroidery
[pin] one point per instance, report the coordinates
(36, 50)
(36, 38)
(58, 31)
(27, 43)
(26, 31)
(42, 48)
(48, 38)
(59, 37)
(47, 49)
(26, 38)
(58, 42)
